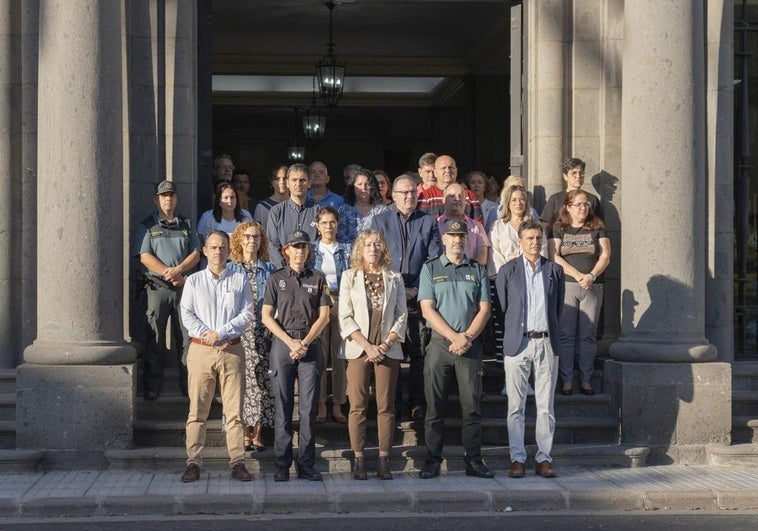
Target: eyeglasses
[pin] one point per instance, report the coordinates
(581, 205)
(404, 192)
(251, 236)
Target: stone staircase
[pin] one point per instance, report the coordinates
(744, 448)
(587, 433)
(11, 459)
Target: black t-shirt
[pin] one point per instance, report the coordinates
(297, 298)
(580, 248)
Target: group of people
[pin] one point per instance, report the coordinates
(417, 269)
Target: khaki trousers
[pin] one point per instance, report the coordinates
(205, 365)
(358, 379)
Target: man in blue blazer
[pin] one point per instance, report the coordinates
(413, 238)
(531, 290)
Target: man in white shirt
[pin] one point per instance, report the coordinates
(217, 306)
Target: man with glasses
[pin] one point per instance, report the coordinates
(573, 176)
(413, 239)
(167, 246)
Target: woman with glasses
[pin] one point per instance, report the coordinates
(373, 319)
(332, 258)
(362, 202)
(225, 215)
(579, 243)
(278, 179)
(249, 254)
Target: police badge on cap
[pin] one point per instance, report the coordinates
(298, 236)
(454, 226)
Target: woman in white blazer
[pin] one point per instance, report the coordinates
(372, 314)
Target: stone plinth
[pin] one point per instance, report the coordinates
(676, 409)
(82, 409)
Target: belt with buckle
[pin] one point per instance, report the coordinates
(297, 334)
(535, 335)
(234, 341)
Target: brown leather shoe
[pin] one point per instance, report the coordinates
(383, 468)
(545, 470)
(240, 473)
(359, 471)
(192, 473)
(517, 470)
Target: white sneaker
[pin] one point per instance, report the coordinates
(529, 390)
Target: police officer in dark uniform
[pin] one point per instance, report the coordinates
(454, 295)
(168, 247)
(296, 310)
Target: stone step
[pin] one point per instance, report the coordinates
(7, 406)
(571, 430)
(7, 381)
(20, 461)
(7, 434)
(745, 376)
(403, 458)
(175, 407)
(744, 429)
(744, 402)
(739, 455)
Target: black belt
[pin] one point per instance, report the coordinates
(297, 334)
(535, 335)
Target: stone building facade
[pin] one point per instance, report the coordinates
(97, 98)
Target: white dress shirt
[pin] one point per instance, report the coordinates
(223, 304)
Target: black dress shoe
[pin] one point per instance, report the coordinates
(383, 468)
(477, 468)
(359, 472)
(309, 473)
(430, 470)
(282, 474)
(589, 391)
(567, 390)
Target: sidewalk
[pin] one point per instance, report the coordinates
(105, 493)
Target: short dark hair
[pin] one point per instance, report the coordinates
(221, 233)
(572, 163)
(324, 210)
(299, 167)
(528, 225)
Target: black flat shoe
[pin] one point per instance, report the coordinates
(478, 469)
(282, 474)
(430, 470)
(567, 391)
(588, 392)
(311, 474)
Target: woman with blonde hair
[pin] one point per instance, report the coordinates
(249, 254)
(373, 319)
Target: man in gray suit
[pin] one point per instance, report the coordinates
(531, 294)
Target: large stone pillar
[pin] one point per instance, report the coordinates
(9, 162)
(545, 96)
(76, 387)
(662, 341)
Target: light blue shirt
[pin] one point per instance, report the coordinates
(330, 199)
(223, 304)
(536, 309)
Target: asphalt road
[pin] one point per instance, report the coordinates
(652, 521)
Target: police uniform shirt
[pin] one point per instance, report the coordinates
(296, 297)
(456, 290)
(169, 241)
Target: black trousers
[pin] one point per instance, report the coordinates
(284, 370)
(414, 347)
(163, 303)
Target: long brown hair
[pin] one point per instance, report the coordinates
(564, 216)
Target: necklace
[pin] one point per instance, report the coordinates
(374, 289)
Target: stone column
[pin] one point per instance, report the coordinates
(76, 387)
(9, 162)
(546, 120)
(664, 241)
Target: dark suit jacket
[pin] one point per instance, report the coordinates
(511, 288)
(423, 241)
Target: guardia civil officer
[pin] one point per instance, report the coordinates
(167, 246)
(296, 310)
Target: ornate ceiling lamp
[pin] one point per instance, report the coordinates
(330, 71)
(296, 152)
(314, 122)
